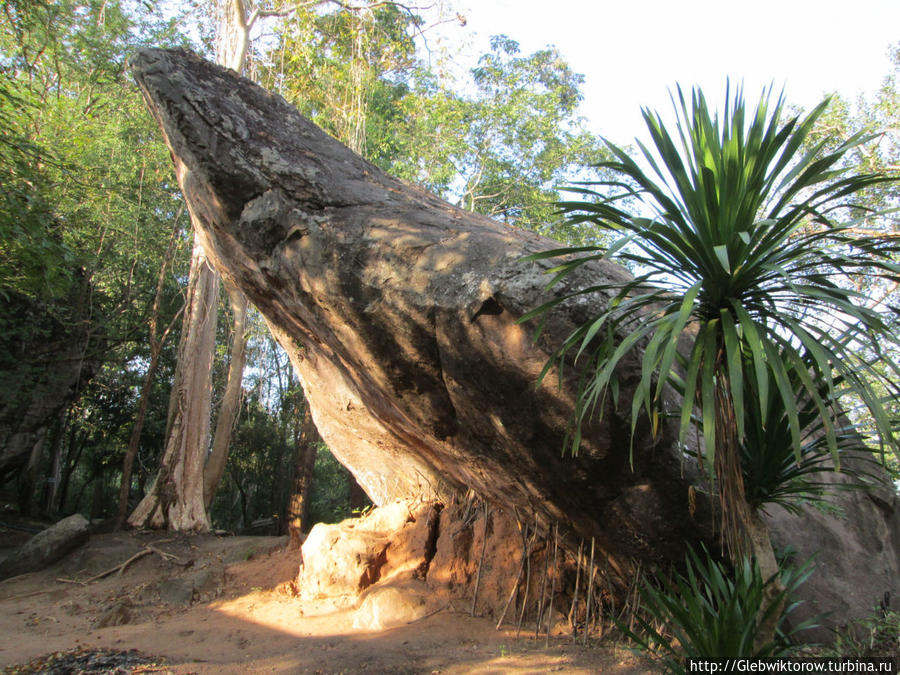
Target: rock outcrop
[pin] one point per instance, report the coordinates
(46, 547)
(399, 312)
(400, 315)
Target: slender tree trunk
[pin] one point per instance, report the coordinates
(231, 401)
(28, 476)
(180, 495)
(156, 345)
(307, 448)
(743, 529)
(56, 464)
(73, 454)
(135, 439)
(175, 500)
(97, 494)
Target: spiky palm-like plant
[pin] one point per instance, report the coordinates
(745, 240)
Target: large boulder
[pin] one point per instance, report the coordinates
(399, 312)
(46, 547)
(400, 315)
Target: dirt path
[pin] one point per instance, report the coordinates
(222, 605)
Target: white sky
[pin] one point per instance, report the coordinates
(632, 51)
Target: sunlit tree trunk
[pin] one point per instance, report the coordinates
(231, 401)
(175, 501)
(182, 491)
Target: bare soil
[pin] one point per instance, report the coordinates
(207, 604)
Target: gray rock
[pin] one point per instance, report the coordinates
(400, 315)
(46, 547)
(179, 592)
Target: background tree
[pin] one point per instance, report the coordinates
(84, 212)
(90, 205)
(183, 488)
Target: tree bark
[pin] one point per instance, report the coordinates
(306, 450)
(175, 501)
(231, 401)
(400, 315)
(172, 501)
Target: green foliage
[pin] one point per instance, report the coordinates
(751, 246)
(347, 71)
(711, 612)
(504, 150)
(876, 635)
(87, 209)
(774, 473)
(879, 114)
(499, 145)
(329, 496)
(86, 177)
(260, 464)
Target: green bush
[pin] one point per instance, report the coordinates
(877, 635)
(711, 612)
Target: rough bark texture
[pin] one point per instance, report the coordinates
(231, 400)
(175, 500)
(399, 313)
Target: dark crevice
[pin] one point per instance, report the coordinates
(434, 531)
(490, 307)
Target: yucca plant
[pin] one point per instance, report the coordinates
(747, 241)
(712, 612)
(775, 473)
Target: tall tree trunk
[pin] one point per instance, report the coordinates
(231, 401)
(307, 448)
(28, 476)
(175, 500)
(73, 454)
(97, 494)
(743, 530)
(178, 498)
(57, 462)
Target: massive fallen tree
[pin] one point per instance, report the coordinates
(399, 312)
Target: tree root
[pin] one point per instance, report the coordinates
(119, 569)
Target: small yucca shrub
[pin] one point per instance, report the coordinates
(712, 612)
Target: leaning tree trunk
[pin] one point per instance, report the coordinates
(175, 501)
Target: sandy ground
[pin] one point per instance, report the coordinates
(210, 604)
